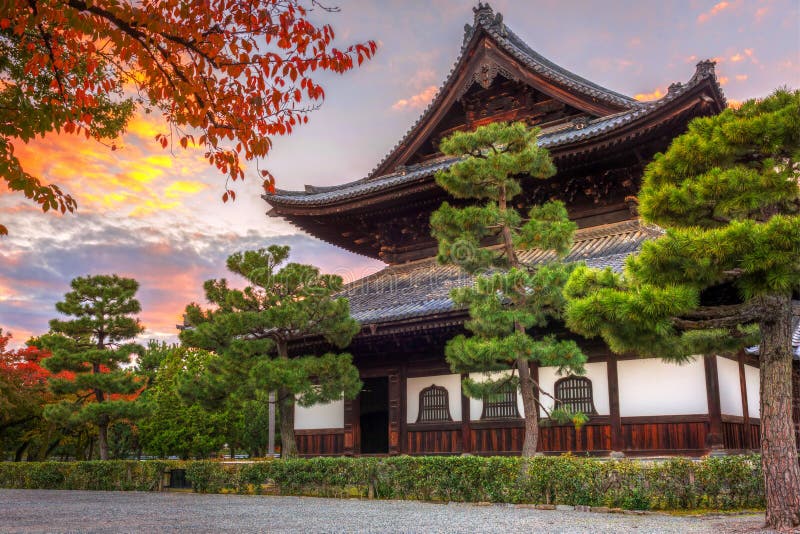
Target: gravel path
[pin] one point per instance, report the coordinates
(100, 511)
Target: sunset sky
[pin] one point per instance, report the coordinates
(157, 217)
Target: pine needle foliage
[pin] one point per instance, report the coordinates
(93, 348)
(252, 328)
(723, 275)
(509, 298)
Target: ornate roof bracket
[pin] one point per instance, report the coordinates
(484, 74)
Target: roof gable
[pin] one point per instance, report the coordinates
(491, 51)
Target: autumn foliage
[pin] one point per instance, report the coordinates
(228, 75)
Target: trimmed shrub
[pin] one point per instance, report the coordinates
(731, 482)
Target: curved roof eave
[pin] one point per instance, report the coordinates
(571, 134)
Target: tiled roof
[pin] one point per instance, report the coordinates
(518, 48)
(492, 24)
(423, 287)
(550, 139)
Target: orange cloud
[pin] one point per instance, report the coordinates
(136, 179)
(761, 12)
(183, 188)
(717, 9)
(723, 80)
(734, 104)
(741, 77)
(417, 101)
(655, 95)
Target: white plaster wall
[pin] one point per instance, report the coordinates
(476, 405)
(596, 372)
(751, 378)
(730, 389)
(653, 387)
(417, 384)
(330, 415)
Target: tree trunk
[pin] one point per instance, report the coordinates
(286, 409)
(530, 443)
(527, 386)
(20, 452)
(102, 437)
(778, 447)
(286, 412)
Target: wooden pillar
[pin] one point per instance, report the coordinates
(714, 437)
(745, 406)
(394, 411)
(617, 439)
(403, 408)
(466, 430)
(350, 426)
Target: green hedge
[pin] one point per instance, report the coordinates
(712, 483)
(117, 475)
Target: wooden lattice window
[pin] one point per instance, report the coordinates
(501, 406)
(574, 393)
(434, 405)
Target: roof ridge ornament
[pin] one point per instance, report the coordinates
(705, 69)
(483, 11)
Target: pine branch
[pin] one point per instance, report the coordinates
(728, 316)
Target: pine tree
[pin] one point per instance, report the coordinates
(253, 328)
(724, 274)
(508, 297)
(92, 347)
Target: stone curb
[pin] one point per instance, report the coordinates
(576, 508)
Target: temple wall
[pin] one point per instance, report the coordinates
(476, 405)
(596, 372)
(751, 376)
(329, 415)
(653, 387)
(415, 385)
(730, 389)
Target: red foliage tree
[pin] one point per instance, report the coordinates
(235, 72)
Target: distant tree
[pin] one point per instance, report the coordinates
(23, 395)
(173, 426)
(724, 274)
(237, 73)
(508, 297)
(91, 345)
(253, 328)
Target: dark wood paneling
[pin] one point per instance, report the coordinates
(660, 436)
(497, 440)
(320, 442)
(433, 441)
(734, 435)
(563, 438)
(755, 435)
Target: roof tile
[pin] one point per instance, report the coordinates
(423, 287)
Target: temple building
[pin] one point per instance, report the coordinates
(600, 142)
